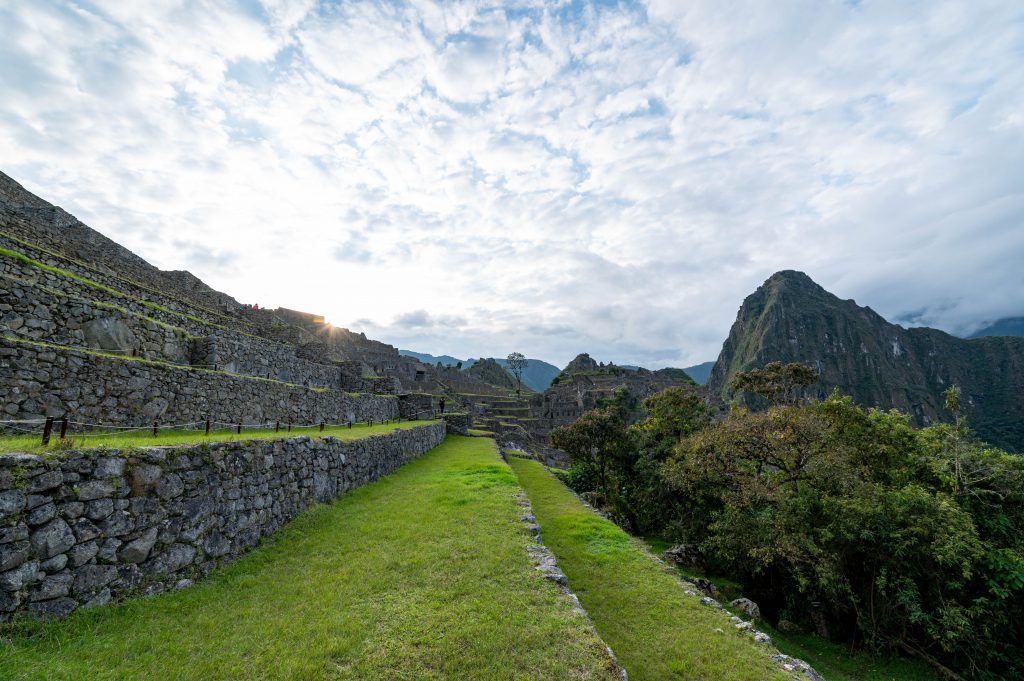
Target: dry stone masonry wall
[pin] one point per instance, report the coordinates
(81, 528)
(37, 381)
(44, 306)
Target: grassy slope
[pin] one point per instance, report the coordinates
(834, 661)
(640, 609)
(423, 574)
(143, 437)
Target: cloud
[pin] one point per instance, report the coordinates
(550, 178)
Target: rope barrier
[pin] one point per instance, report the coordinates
(109, 430)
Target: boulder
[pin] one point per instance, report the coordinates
(686, 555)
(747, 607)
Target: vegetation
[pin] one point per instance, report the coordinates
(655, 629)
(516, 362)
(143, 437)
(849, 522)
(423, 574)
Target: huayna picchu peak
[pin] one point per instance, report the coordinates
(790, 318)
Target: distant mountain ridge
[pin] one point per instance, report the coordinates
(790, 318)
(700, 372)
(537, 375)
(1009, 326)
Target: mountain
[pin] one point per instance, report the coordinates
(490, 372)
(537, 375)
(700, 372)
(790, 318)
(445, 360)
(1009, 326)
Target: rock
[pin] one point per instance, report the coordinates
(11, 502)
(111, 334)
(99, 509)
(91, 577)
(94, 489)
(687, 555)
(109, 467)
(102, 598)
(108, 550)
(53, 586)
(41, 514)
(85, 530)
(119, 523)
(183, 584)
(170, 486)
(747, 607)
(11, 533)
(23, 575)
(13, 555)
(83, 553)
(55, 564)
(175, 557)
(138, 550)
(53, 538)
(705, 585)
(73, 509)
(9, 601)
(762, 638)
(793, 664)
(216, 544)
(58, 608)
(45, 481)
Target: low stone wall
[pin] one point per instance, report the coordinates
(37, 381)
(81, 528)
(459, 423)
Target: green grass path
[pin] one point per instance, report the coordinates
(421, 575)
(639, 608)
(143, 437)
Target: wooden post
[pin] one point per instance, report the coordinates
(207, 426)
(322, 424)
(239, 431)
(277, 427)
(350, 425)
(47, 429)
(64, 428)
(289, 426)
(156, 428)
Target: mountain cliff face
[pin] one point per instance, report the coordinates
(792, 319)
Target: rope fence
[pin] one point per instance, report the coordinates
(64, 428)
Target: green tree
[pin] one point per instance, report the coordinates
(516, 363)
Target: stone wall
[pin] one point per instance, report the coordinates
(458, 423)
(80, 528)
(131, 288)
(38, 381)
(39, 313)
(44, 306)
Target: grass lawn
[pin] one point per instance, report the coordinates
(423, 574)
(144, 437)
(638, 607)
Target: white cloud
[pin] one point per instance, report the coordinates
(475, 177)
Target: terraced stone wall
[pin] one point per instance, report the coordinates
(44, 306)
(80, 528)
(38, 381)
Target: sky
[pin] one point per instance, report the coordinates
(474, 178)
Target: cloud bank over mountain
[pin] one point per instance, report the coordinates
(473, 178)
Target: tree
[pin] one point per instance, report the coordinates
(598, 442)
(516, 362)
